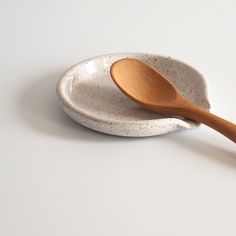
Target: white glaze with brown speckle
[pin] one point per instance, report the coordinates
(90, 97)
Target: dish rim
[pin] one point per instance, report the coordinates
(67, 103)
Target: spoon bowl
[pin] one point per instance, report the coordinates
(142, 83)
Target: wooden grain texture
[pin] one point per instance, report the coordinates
(153, 91)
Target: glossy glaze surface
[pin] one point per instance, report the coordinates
(90, 97)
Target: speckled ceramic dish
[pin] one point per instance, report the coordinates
(90, 97)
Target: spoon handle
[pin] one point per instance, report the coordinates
(223, 126)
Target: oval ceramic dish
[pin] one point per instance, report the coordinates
(89, 96)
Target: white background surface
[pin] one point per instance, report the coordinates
(58, 178)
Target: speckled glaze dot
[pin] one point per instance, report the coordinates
(89, 96)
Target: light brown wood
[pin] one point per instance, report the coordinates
(153, 91)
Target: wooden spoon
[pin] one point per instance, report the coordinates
(153, 91)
